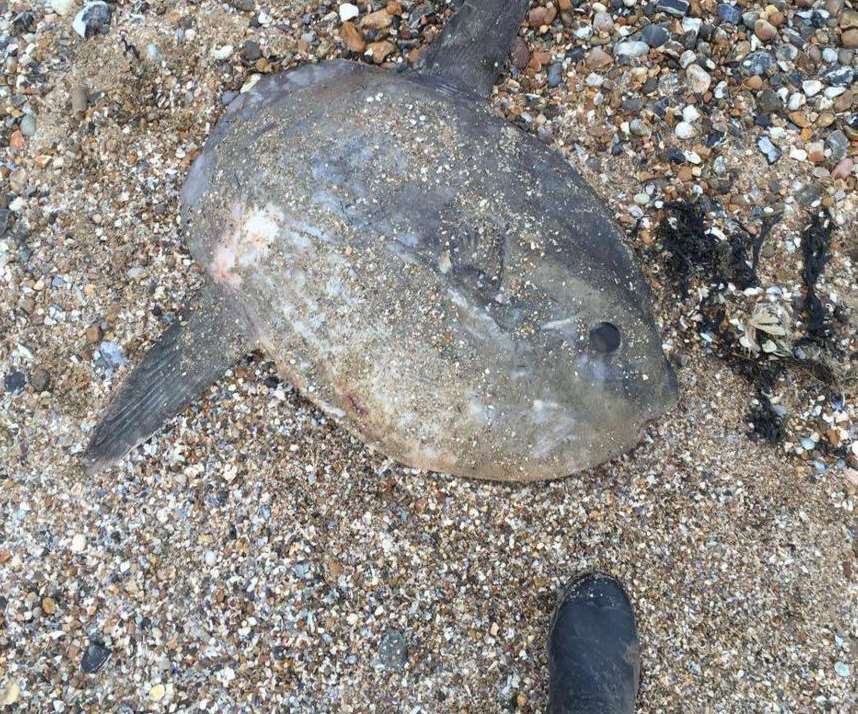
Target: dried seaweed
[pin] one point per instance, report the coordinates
(692, 251)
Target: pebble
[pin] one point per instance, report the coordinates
(79, 98)
(768, 101)
(379, 51)
(678, 8)
(757, 63)
(684, 130)
(771, 151)
(597, 58)
(62, 7)
(555, 75)
(95, 656)
(93, 19)
(111, 354)
(40, 379)
(690, 114)
(393, 651)
(687, 58)
(848, 19)
(698, 78)
(10, 694)
(839, 76)
(843, 169)
(765, 30)
(634, 48)
(655, 35)
(243, 5)
(353, 37)
(811, 87)
(842, 669)
(638, 128)
(14, 382)
(520, 53)
(250, 51)
(377, 20)
(849, 39)
(838, 144)
(730, 13)
(348, 12)
(222, 53)
(157, 692)
(603, 22)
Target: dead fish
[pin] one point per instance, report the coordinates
(436, 279)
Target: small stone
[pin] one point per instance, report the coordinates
(380, 50)
(94, 657)
(62, 7)
(684, 130)
(843, 169)
(14, 382)
(28, 125)
(839, 76)
(555, 75)
(49, 605)
(352, 37)
(157, 692)
(655, 35)
(842, 669)
(17, 140)
(603, 22)
(634, 48)
(811, 87)
(687, 58)
(698, 78)
(765, 30)
(243, 5)
(40, 379)
(757, 63)
(837, 144)
(10, 694)
(348, 12)
(678, 8)
(771, 151)
(393, 651)
(111, 355)
(848, 19)
(78, 543)
(93, 334)
(597, 58)
(222, 53)
(690, 114)
(250, 51)
(849, 39)
(816, 152)
(729, 13)
(93, 19)
(768, 101)
(376, 20)
(639, 128)
(520, 53)
(79, 98)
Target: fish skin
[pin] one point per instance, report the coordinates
(426, 273)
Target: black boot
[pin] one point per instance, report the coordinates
(593, 650)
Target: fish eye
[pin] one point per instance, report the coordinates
(604, 338)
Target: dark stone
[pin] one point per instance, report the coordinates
(839, 76)
(250, 52)
(715, 138)
(95, 657)
(243, 5)
(758, 62)
(675, 156)
(576, 54)
(729, 13)
(392, 650)
(655, 35)
(23, 22)
(14, 382)
(677, 8)
(632, 105)
(555, 75)
(768, 101)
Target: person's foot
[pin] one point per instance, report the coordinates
(593, 649)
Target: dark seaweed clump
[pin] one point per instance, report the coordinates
(692, 253)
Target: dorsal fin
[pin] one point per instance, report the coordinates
(473, 49)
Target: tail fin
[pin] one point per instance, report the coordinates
(473, 48)
(187, 358)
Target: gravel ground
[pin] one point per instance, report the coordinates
(253, 556)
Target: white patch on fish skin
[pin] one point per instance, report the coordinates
(558, 324)
(554, 426)
(245, 242)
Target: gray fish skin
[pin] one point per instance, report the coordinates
(426, 273)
